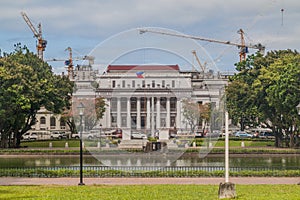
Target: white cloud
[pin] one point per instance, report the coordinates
(74, 23)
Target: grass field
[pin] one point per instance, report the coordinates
(140, 192)
(75, 143)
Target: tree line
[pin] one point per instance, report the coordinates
(265, 92)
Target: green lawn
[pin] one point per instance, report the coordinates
(165, 192)
(55, 143)
(247, 143)
(75, 143)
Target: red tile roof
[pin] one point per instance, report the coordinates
(141, 67)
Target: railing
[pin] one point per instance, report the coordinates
(145, 171)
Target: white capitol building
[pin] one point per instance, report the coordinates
(148, 97)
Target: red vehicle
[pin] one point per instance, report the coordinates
(117, 133)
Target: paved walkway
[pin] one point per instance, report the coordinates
(146, 181)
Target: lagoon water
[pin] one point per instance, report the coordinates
(283, 161)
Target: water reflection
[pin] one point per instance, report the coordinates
(134, 160)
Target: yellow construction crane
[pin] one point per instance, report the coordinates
(69, 62)
(242, 46)
(41, 43)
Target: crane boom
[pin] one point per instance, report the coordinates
(41, 44)
(27, 20)
(198, 60)
(242, 45)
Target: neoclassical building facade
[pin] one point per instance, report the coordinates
(148, 97)
(48, 122)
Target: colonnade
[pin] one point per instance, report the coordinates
(143, 112)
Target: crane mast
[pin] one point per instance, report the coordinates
(41, 43)
(70, 64)
(242, 46)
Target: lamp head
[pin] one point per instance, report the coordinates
(80, 108)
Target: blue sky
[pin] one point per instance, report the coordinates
(83, 25)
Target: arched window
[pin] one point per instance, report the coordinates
(52, 121)
(43, 120)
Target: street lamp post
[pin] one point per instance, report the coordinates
(226, 148)
(81, 112)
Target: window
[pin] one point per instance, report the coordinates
(133, 104)
(172, 121)
(114, 120)
(114, 104)
(133, 122)
(123, 104)
(62, 124)
(173, 83)
(200, 102)
(173, 104)
(163, 83)
(143, 104)
(143, 122)
(43, 120)
(124, 121)
(123, 84)
(133, 84)
(143, 84)
(113, 84)
(52, 121)
(153, 83)
(163, 103)
(162, 122)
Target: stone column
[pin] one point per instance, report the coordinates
(168, 113)
(119, 112)
(152, 117)
(108, 114)
(183, 123)
(148, 114)
(128, 113)
(138, 113)
(158, 113)
(178, 114)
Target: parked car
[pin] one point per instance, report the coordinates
(117, 133)
(57, 135)
(75, 135)
(243, 134)
(266, 135)
(199, 134)
(29, 136)
(138, 135)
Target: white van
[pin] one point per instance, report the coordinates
(36, 135)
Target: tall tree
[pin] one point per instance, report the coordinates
(205, 111)
(27, 84)
(93, 112)
(267, 88)
(191, 114)
(280, 83)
